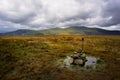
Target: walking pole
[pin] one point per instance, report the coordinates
(82, 44)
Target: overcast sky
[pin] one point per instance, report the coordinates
(42, 14)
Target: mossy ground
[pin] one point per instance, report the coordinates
(34, 57)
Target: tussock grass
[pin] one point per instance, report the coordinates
(34, 57)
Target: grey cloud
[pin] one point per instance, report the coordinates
(42, 14)
(112, 10)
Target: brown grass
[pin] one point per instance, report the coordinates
(34, 57)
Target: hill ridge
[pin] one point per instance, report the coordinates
(68, 30)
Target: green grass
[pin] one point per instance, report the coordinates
(34, 57)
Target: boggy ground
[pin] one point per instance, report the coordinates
(34, 57)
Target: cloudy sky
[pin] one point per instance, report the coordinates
(43, 14)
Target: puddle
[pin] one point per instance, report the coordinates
(91, 64)
(91, 60)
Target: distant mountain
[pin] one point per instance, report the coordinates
(21, 32)
(80, 30)
(58, 31)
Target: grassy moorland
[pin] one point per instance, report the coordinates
(34, 57)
